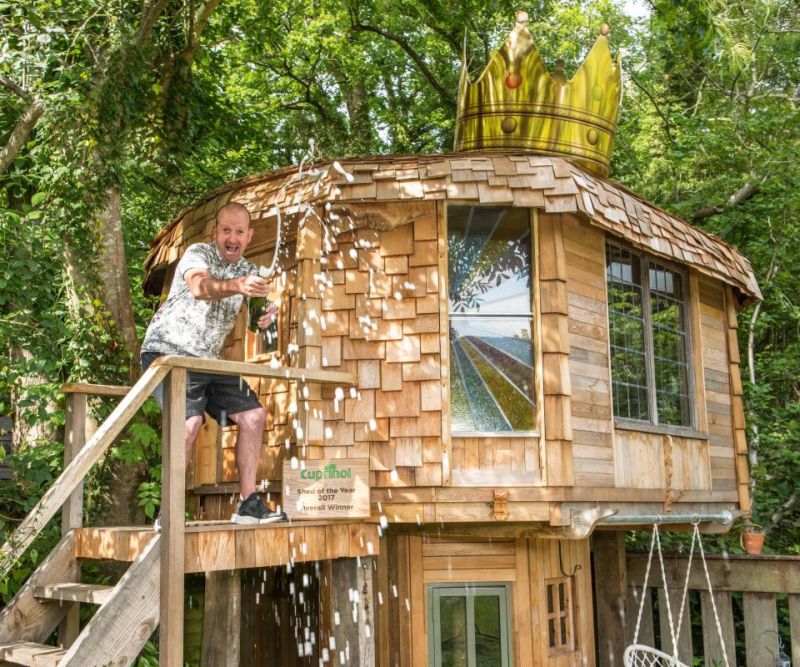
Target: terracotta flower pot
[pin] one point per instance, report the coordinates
(752, 539)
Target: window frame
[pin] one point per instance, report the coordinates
(567, 613)
(652, 424)
(469, 590)
(533, 315)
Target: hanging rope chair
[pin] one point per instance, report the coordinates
(640, 655)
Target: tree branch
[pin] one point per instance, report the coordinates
(20, 134)
(444, 94)
(740, 196)
(17, 90)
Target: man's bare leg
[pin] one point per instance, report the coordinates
(248, 446)
(193, 427)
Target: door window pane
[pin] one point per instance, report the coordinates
(469, 625)
(453, 615)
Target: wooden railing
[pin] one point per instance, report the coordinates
(80, 456)
(759, 579)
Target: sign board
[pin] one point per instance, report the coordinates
(326, 489)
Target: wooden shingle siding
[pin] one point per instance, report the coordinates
(549, 183)
(587, 337)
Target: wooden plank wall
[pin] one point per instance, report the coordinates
(584, 252)
(657, 461)
(716, 374)
(495, 461)
(409, 563)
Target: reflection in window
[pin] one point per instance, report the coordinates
(469, 625)
(648, 339)
(491, 346)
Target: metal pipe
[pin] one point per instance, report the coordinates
(725, 518)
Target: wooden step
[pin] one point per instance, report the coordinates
(30, 653)
(70, 592)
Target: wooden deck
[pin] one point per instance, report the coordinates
(214, 546)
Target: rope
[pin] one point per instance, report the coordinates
(644, 586)
(666, 595)
(711, 595)
(685, 592)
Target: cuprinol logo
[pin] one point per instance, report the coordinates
(330, 471)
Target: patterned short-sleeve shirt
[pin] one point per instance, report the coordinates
(193, 327)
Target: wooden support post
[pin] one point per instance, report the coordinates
(760, 629)
(72, 510)
(353, 598)
(610, 595)
(173, 481)
(222, 618)
(712, 649)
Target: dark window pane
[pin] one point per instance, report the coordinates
(453, 618)
(551, 633)
(626, 334)
(669, 346)
(489, 260)
(488, 639)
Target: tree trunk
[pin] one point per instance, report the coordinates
(27, 428)
(113, 273)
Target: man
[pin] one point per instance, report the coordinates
(210, 283)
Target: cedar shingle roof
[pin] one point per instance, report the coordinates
(549, 183)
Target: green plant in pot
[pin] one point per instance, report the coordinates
(752, 538)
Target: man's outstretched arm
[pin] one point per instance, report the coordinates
(205, 288)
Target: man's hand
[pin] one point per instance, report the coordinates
(269, 317)
(253, 286)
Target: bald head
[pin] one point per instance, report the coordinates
(232, 231)
(233, 211)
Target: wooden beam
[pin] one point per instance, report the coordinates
(210, 547)
(760, 628)
(794, 627)
(222, 619)
(610, 595)
(353, 600)
(30, 653)
(773, 574)
(72, 511)
(73, 475)
(173, 502)
(94, 389)
(712, 648)
(72, 592)
(120, 628)
(222, 367)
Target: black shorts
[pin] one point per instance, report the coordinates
(218, 395)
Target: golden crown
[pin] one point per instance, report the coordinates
(516, 104)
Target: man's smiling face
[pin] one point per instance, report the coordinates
(232, 232)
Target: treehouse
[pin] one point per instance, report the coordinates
(517, 357)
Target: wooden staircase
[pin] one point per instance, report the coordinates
(152, 588)
(128, 612)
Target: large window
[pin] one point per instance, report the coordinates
(491, 347)
(648, 338)
(469, 626)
